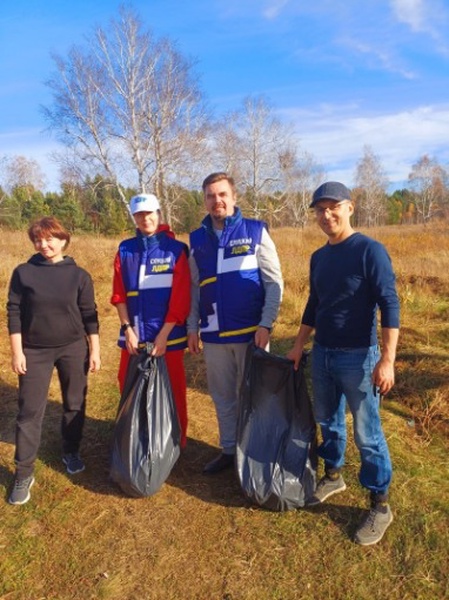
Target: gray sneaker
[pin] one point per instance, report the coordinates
(375, 525)
(21, 491)
(326, 488)
(73, 463)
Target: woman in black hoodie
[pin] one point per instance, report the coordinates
(52, 322)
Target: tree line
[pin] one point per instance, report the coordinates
(95, 205)
(129, 112)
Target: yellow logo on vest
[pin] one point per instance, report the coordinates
(160, 268)
(243, 249)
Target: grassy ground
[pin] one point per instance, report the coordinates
(198, 538)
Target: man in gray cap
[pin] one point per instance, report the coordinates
(350, 278)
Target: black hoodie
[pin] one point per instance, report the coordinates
(51, 304)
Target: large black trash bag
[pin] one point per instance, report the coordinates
(276, 433)
(146, 438)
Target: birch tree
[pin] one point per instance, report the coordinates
(128, 106)
(21, 172)
(301, 176)
(372, 193)
(428, 180)
(251, 142)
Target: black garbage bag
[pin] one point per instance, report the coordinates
(276, 433)
(146, 438)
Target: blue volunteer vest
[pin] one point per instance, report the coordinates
(231, 289)
(147, 265)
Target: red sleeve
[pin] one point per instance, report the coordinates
(118, 289)
(179, 304)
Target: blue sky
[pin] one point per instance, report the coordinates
(345, 73)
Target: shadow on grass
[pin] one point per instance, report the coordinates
(95, 449)
(94, 446)
(346, 518)
(222, 488)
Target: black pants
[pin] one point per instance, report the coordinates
(72, 363)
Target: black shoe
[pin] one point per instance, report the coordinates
(222, 462)
(73, 463)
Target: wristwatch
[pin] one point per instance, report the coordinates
(125, 326)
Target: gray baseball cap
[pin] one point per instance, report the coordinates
(331, 190)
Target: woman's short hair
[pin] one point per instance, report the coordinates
(48, 227)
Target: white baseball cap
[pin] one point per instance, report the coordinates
(144, 203)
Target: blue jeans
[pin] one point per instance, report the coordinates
(344, 375)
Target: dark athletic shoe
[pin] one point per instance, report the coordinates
(21, 491)
(222, 462)
(73, 463)
(326, 488)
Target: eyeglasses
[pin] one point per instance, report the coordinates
(334, 209)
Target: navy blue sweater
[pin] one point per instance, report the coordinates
(349, 281)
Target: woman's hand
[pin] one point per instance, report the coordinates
(19, 363)
(94, 361)
(160, 344)
(132, 343)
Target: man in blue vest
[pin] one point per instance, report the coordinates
(351, 277)
(236, 293)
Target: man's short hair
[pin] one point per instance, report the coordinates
(220, 176)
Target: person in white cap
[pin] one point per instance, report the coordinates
(151, 292)
(351, 277)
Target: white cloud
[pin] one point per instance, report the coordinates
(382, 58)
(336, 138)
(424, 16)
(274, 8)
(411, 12)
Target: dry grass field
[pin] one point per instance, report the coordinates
(80, 538)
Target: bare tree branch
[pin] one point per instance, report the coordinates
(428, 179)
(129, 108)
(372, 187)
